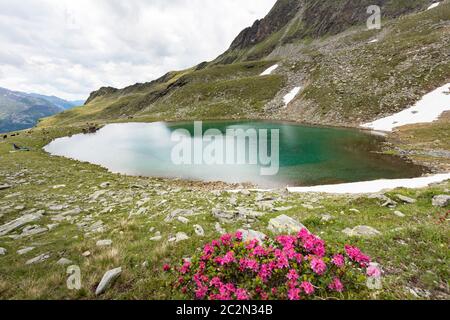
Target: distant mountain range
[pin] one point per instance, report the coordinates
(19, 110)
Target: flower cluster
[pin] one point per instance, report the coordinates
(286, 267)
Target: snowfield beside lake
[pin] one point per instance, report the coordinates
(270, 70)
(428, 109)
(374, 186)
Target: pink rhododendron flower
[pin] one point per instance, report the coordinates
(238, 236)
(356, 255)
(166, 267)
(200, 293)
(294, 294)
(185, 268)
(338, 260)
(242, 294)
(226, 239)
(318, 266)
(336, 285)
(228, 258)
(307, 287)
(292, 275)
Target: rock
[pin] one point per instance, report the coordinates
(3, 251)
(23, 251)
(59, 186)
(5, 186)
(38, 259)
(180, 236)
(219, 228)
(183, 220)
(326, 217)
(399, 214)
(58, 207)
(308, 206)
(108, 280)
(249, 235)
(29, 231)
(225, 216)
(179, 212)
(245, 192)
(280, 209)
(156, 238)
(199, 230)
(441, 201)
(19, 222)
(104, 243)
(284, 224)
(354, 210)
(64, 262)
(105, 185)
(386, 202)
(406, 199)
(362, 231)
(86, 254)
(97, 194)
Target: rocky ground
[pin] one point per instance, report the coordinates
(120, 230)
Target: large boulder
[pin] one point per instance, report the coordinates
(285, 225)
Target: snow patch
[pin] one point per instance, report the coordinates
(270, 70)
(434, 5)
(374, 186)
(291, 95)
(428, 109)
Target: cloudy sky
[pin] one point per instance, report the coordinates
(69, 48)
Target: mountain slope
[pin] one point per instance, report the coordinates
(20, 110)
(347, 74)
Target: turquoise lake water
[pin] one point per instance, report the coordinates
(307, 155)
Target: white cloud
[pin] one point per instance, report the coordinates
(70, 48)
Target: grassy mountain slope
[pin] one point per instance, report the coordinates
(321, 46)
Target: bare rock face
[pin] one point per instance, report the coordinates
(100, 93)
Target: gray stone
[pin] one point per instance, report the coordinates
(183, 220)
(64, 262)
(156, 238)
(29, 231)
(399, 214)
(285, 224)
(104, 243)
(5, 186)
(108, 280)
(326, 217)
(219, 228)
(97, 194)
(249, 235)
(180, 236)
(39, 259)
(19, 222)
(406, 199)
(386, 202)
(25, 251)
(3, 251)
(199, 230)
(86, 254)
(441, 201)
(362, 231)
(105, 185)
(225, 216)
(179, 212)
(56, 207)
